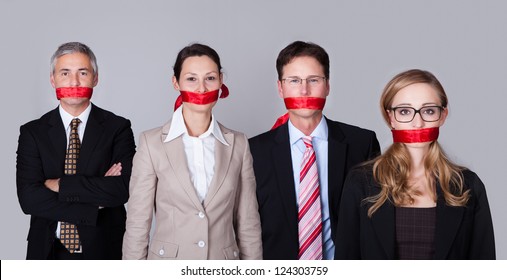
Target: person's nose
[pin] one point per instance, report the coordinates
(418, 122)
(202, 87)
(74, 80)
(305, 88)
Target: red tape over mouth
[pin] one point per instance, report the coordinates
(312, 103)
(200, 98)
(74, 92)
(415, 135)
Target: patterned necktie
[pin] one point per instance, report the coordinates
(68, 232)
(310, 215)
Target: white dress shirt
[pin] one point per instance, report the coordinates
(320, 146)
(67, 119)
(200, 151)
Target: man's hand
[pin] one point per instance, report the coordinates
(115, 170)
(53, 184)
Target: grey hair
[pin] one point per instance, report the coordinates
(74, 47)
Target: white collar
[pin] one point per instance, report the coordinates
(67, 118)
(178, 128)
(320, 132)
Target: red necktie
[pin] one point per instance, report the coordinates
(310, 215)
(69, 235)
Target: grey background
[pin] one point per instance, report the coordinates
(462, 42)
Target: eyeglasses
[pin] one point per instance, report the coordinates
(407, 114)
(312, 81)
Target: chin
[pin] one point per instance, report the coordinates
(200, 108)
(74, 100)
(418, 145)
(306, 113)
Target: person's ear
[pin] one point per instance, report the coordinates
(175, 83)
(392, 120)
(52, 80)
(443, 116)
(280, 89)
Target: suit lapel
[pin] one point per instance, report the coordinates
(383, 221)
(282, 159)
(337, 160)
(57, 137)
(93, 132)
(448, 221)
(175, 154)
(223, 155)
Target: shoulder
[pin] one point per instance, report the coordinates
(106, 116)
(271, 138)
(42, 121)
(240, 139)
(226, 130)
(350, 131)
(473, 182)
(264, 137)
(159, 132)
(362, 173)
(360, 182)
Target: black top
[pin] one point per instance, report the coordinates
(415, 233)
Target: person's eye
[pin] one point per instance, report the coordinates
(293, 80)
(429, 111)
(211, 78)
(64, 74)
(83, 73)
(405, 111)
(313, 80)
(191, 79)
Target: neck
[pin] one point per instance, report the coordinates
(306, 124)
(196, 122)
(417, 155)
(75, 110)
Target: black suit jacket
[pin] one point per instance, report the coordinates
(347, 146)
(461, 232)
(42, 145)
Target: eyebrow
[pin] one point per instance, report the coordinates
(68, 70)
(192, 73)
(309, 76)
(424, 104)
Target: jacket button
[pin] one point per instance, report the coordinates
(161, 252)
(235, 253)
(201, 244)
(201, 215)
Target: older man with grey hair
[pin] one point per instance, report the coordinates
(73, 167)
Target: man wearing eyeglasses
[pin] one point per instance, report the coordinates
(300, 165)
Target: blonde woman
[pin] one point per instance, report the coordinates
(412, 202)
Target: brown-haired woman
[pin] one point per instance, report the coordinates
(193, 176)
(412, 202)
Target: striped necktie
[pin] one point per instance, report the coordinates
(310, 215)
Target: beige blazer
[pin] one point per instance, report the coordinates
(225, 226)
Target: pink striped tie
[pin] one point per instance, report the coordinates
(310, 215)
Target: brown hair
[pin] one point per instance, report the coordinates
(299, 49)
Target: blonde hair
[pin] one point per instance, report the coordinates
(391, 170)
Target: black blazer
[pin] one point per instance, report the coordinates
(347, 146)
(108, 139)
(461, 232)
